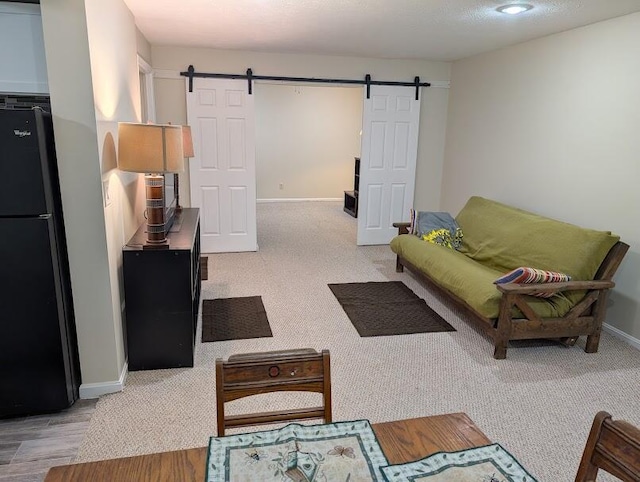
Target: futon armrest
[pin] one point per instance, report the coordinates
(537, 288)
(403, 228)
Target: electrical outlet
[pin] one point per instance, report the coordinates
(281, 185)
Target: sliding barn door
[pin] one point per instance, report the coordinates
(223, 172)
(390, 125)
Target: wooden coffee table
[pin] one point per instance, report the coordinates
(401, 441)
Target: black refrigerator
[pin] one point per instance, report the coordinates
(39, 368)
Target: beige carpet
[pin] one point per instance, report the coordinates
(538, 403)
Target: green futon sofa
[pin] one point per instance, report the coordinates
(499, 238)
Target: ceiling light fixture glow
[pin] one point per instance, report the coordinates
(514, 8)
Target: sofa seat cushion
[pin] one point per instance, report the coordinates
(469, 280)
(504, 238)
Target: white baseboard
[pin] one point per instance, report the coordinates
(95, 390)
(634, 342)
(298, 199)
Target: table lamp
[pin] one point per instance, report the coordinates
(152, 149)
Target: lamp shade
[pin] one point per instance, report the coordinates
(187, 141)
(150, 148)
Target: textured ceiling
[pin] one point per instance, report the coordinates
(420, 29)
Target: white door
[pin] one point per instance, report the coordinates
(222, 172)
(390, 124)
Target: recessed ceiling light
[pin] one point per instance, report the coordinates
(514, 8)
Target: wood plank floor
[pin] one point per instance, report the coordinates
(29, 446)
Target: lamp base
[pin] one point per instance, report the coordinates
(156, 222)
(176, 186)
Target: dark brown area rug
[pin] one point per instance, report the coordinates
(234, 319)
(387, 308)
(204, 268)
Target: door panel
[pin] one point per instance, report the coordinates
(238, 195)
(208, 138)
(401, 145)
(398, 195)
(222, 171)
(374, 206)
(211, 215)
(237, 142)
(388, 162)
(378, 136)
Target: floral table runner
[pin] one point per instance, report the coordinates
(341, 451)
(490, 463)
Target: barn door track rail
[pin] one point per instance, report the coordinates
(250, 77)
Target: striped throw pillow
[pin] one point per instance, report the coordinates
(533, 275)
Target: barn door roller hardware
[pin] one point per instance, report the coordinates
(250, 77)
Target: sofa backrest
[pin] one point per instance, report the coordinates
(504, 238)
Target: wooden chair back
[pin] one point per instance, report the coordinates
(250, 374)
(613, 447)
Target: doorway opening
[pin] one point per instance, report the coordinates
(307, 139)
(223, 181)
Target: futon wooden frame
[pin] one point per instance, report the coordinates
(584, 319)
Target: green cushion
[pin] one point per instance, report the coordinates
(503, 238)
(468, 279)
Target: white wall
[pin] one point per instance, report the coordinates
(93, 76)
(551, 125)
(170, 94)
(23, 68)
(74, 118)
(116, 92)
(306, 140)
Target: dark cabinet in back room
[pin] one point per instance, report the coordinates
(162, 296)
(351, 197)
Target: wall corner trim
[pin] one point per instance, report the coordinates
(95, 390)
(634, 342)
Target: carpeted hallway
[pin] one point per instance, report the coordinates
(538, 403)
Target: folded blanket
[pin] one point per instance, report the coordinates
(436, 227)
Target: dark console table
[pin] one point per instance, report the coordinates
(162, 296)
